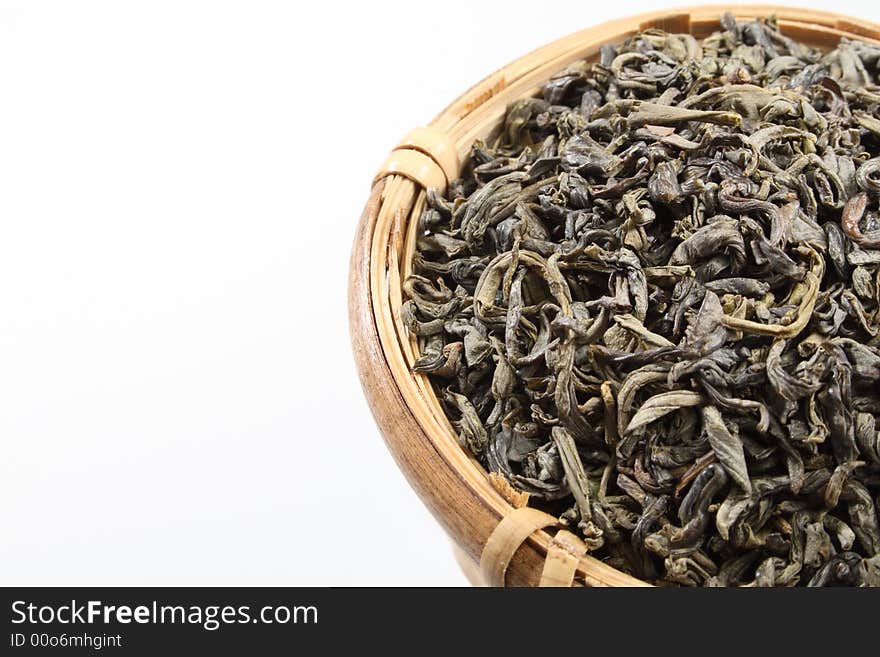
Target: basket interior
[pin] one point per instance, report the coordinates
(476, 115)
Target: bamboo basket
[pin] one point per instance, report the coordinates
(497, 539)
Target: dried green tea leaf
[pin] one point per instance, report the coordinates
(728, 448)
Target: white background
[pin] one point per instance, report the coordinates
(179, 188)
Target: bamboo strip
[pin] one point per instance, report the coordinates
(563, 558)
(509, 535)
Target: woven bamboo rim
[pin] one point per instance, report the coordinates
(482, 515)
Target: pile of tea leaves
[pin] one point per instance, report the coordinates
(652, 303)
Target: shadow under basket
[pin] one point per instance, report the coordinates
(498, 541)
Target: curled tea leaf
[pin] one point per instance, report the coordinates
(728, 449)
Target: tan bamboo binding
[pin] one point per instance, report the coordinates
(563, 556)
(454, 486)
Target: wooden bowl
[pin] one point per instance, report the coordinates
(455, 487)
